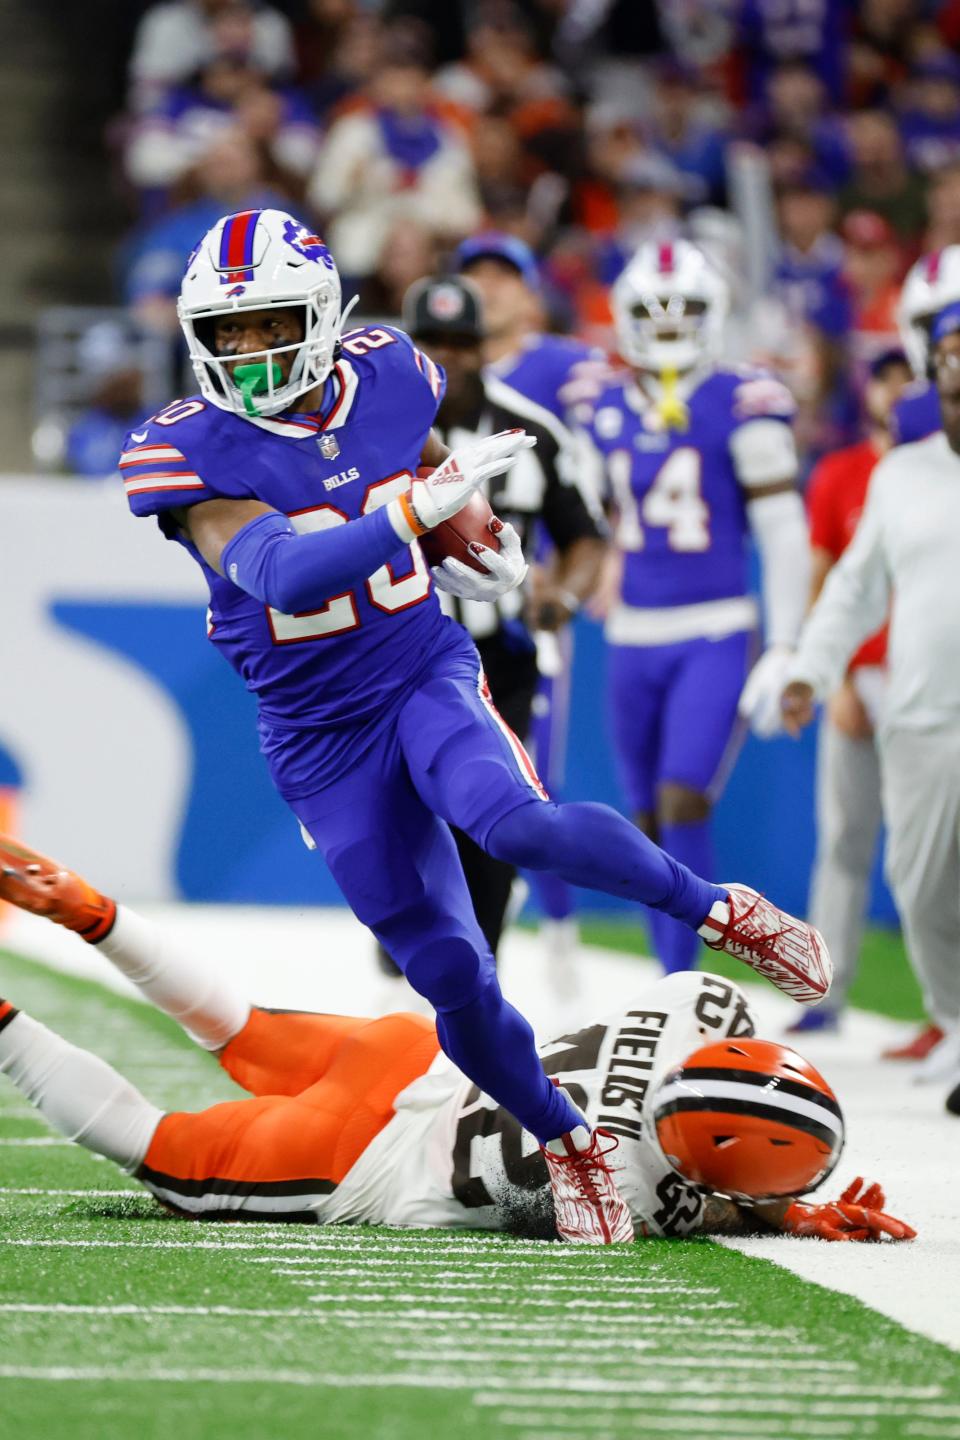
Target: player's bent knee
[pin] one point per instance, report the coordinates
(681, 805)
(524, 837)
(450, 972)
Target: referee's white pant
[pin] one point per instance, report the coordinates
(921, 801)
(849, 818)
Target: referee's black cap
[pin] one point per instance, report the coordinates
(443, 306)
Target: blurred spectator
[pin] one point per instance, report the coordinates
(797, 109)
(678, 131)
(109, 363)
(930, 124)
(501, 71)
(809, 271)
(409, 252)
(228, 176)
(649, 207)
(176, 39)
(228, 92)
(396, 158)
(338, 50)
(943, 203)
(873, 270)
(810, 280)
(880, 179)
(775, 34)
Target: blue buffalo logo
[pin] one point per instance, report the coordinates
(310, 246)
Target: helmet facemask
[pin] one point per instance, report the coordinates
(267, 394)
(664, 332)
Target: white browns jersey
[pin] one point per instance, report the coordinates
(452, 1158)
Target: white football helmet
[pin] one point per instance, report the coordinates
(931, 283)
(669, 308)
(254, 260)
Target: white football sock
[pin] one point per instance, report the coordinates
(180, 984)
(717, 919)
(77, 1093)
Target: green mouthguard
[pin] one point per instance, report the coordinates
(255, 380)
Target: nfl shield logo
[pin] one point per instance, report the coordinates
(329, 447)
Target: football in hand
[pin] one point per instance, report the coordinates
(454, 537)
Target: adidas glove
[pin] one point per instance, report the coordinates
(507, 568)
(857, 1215)
(434, 497)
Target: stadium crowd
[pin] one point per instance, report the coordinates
(401, 127)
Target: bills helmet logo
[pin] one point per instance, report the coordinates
(310, 246)
(329, 447)
(237, 290)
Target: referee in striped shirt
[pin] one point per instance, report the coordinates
(552, 509)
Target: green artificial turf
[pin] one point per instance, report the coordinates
(118, 1321)
(885, 983)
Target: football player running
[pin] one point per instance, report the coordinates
(696, 457)
(364, 1121)
(300, 479)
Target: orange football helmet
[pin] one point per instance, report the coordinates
(750, 1119)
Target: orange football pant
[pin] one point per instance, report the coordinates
(325, 1086)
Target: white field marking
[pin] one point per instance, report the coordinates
(572, 1427)
(150, 1312)
(441, 1284)
(32, 1140)
(669, 1425)
(322, 1297)
(658, 1361)
(39, 1190)
(452, 1322)
(513, 1391)
(840, 1390)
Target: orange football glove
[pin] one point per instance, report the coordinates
(857, 1215)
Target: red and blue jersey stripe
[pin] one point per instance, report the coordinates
(236, 247)
(157, 466)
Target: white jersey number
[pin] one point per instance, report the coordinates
(673, 503)
(384, 591)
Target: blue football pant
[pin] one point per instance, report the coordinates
(673, 716)
(380, 828)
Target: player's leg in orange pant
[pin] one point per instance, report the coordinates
(275, 1155)
(282, 1052)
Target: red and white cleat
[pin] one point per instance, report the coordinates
(786, 951)
(41, 886)
(588, 1207)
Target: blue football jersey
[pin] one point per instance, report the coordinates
(917, 413)
(335, 674)
(681, 494)
(554, 371)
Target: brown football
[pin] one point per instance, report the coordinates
(454, 536)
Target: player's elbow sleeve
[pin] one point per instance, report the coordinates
(254, 560)
(292, 572)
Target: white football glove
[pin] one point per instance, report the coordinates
(437, 496)
(507, 568)
(760, 698)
